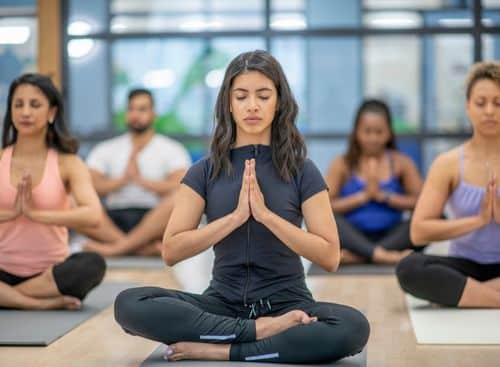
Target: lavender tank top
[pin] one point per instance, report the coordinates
(482, 245)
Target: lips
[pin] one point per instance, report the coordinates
(252, 120)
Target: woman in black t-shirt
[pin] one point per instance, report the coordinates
(255, 188)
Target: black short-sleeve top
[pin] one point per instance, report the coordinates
(251, 263)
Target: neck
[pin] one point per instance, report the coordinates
(30, 145)
(485, 146)
(244, 139)
(142, 139)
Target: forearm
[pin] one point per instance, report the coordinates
(313, 247)
(181, 246)
(106, 186)
(72, 218)
(348, 203)
(159, 187)
(401, 202)
(428, 230)
(6, 215)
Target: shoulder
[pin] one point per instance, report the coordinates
(446, 167)
(70, 161)
(402, 160)
(167, 142)
(109, 144)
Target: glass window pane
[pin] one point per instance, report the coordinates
(290, 52)
(447, 61)
(88, 94)
(301, 14)
(186, 16)
(491, 47)
(334, 83)
(174, 71)
(18, 52)
(87, 17)
(491, 18)
(449, 18)
(392, 73)
(413, 4)
(322, 152)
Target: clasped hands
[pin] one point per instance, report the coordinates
(23, 204)
(490, 206)
(251, 200)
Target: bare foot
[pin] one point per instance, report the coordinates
(196, 351)
(348, 258)
(59, 302)
(383, 256)
(266, 327)
(152, 249)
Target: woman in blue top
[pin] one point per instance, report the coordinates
(255, 188)
(370, 186)
(465, 178)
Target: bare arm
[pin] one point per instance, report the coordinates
(88, 210)
(105, 185)
(412, 184)
(427, 224)
(337, 174)
(183, 239)
(163, 187)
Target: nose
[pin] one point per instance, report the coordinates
(490, 108)
(253, 104)
(26, 110)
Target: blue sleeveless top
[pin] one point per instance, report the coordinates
(482, 245)
(373, 216)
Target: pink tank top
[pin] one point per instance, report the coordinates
(28, 247)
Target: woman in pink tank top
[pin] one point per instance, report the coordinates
(38, 171)
(465, 178)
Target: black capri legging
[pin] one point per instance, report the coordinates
(170, 316)
(76, 276)
(363, 244)
(441, 279)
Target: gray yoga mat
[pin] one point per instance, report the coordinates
(361, 269)
(40, 328)
(156, 360)
(135, 262)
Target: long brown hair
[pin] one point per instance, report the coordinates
(354, 149)
(58, 136)
(287, 145)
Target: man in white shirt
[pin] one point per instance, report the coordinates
(136, 174)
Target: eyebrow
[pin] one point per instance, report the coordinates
(264, 89)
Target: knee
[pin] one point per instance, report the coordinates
(357, 330)
(408, 270)
(79, 274)
(127, 304)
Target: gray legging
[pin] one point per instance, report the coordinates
(170, 316)
(363, 244)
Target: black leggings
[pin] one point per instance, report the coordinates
(441, 279)
(75, 276)
(170, 316)
(363, 244)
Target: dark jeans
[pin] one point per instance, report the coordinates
(170, 316)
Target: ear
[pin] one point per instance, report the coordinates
(52, 114)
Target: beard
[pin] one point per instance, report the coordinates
(141, 129)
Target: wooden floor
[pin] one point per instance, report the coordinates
(100, 342)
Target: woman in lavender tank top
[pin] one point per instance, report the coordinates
(465, 178)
